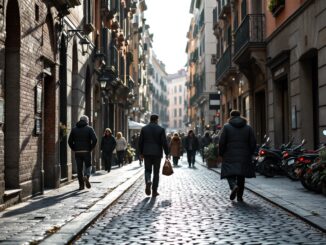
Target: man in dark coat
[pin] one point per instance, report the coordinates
(191, 146)
(152, 141)
(108, 144)
(82, 140)
(236, 146)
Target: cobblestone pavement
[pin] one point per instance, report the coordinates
(194, 208)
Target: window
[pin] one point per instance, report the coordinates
(175, 89)
(175, 112)
(180, 100)
(180, 123)
(180, 88)
(243, 9)
(180, 112)
(175, 100)
(88, 12)
(175, 123)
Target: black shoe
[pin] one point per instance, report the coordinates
(155, 194)
(234, 192)
(239, 199)
(86, 179)
(81, 188)
(148, 188)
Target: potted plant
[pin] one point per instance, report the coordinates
(130, 153)
(275, 6)
(210, 154)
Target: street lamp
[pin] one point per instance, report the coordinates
(84, 43)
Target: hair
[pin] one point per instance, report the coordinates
(119, 135)
(154, 118)
(176, 134)
(108, 130)
(235, 113)
(190, 131)
(84, 118)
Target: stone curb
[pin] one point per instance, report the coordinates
(69, 232)
(311, 219)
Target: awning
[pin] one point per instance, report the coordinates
(135, 125)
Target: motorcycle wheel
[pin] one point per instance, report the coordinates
(290, 172)
(266, 169)
(305, 184)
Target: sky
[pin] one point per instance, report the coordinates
(169, 21)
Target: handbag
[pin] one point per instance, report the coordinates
(167, 168)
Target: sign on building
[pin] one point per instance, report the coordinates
(214, 101)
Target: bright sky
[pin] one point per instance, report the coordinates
(169, 21)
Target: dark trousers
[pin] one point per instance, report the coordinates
(120, 155)
(175, 160)
(81, 159)
(239, 181)
(107, 160)
(191, 155)
(152, 164)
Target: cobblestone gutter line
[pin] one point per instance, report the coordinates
(75, 227)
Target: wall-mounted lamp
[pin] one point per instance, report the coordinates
(83, 39)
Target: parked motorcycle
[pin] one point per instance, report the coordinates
(270, 159)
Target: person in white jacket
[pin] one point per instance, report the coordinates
(120, 148)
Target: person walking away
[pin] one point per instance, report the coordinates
(236, 146)
(82, 140)
(206, 140)
(108, 144)
(121, 148)
(176, 148)
(152, 142)
(191, 145)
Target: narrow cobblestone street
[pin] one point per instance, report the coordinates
(194, 208)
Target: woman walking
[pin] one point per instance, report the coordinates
(176, 148)
(191, 145)
(108, 144)
(121, 148)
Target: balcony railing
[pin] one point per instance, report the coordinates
(251, 30)
(224, 63)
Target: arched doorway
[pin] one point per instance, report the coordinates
(12, 95)
(63, 107)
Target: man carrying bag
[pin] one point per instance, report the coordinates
(152, 142)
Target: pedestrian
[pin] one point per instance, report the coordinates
(191, 145)
(176, 148)
(121, 148)
(108, 144)
(152, 141)
(206, 140)
(137, 150)
(236, 146)
(82, 140)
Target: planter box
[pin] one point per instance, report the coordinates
(211, 163)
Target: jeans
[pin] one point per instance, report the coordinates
(191, 155)
(152, 162)
(239, 181)
(120, 155)
(81, 159)
(107, 160)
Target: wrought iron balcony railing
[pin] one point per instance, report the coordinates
(251, 30)
(224, 63)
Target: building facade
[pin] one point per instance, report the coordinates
(269, 66)
(200, 48)
(60, 60)
(177, 97)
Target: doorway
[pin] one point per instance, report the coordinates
(12, 103)
(281, 113)
(260, 114)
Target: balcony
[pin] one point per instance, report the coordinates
(224, 66)
(224, 8)
(249, 37)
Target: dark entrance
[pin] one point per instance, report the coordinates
(12, 96)
(260, 114)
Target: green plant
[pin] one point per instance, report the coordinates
(130, 153)
(210, 152)
(273, 4)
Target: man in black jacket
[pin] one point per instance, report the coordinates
(152, 140)
(82, 140)
(236, 146)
